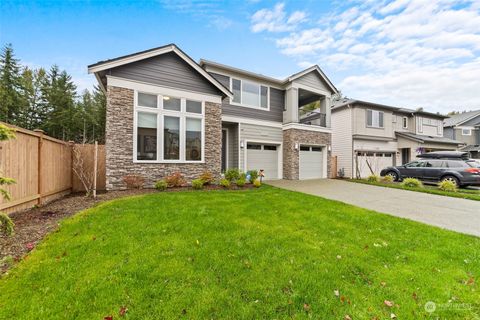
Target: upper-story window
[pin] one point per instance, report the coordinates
(405, 123)
(168, 129)
(374, 118)
(466, 132)
(249, 94)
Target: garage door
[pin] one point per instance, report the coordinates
(374, 160)
(263, 156)
(311, 162)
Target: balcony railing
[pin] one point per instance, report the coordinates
(314, 118)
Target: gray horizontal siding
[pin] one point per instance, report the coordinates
(277, 101)
(312, 79)
(166, 70)
(258, 133)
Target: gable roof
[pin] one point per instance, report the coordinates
(314, 68)
(460, 118)
(119, 61)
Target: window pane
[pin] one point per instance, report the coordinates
(193, 140)
(194, 106)
(236, 85)
(267, 147)
(317, 149)
(171, 138)
(369, 117)
(170, 103)
(264, 98)
(304, 148)
(380, 119)
(146, 136)
(254, 146)
(147, 100)
(250, 94)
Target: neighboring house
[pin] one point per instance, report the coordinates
(368, 137)
(166, 114)
(465, 127)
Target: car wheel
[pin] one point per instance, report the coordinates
(393, 174)
(452, 179)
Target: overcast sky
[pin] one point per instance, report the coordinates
(404, 53)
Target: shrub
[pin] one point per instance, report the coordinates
(373, 178)
(161, 185)
(207, 177)
(257, 183)
(412, 183)
(447, 185)
(134, 181)
(241, 182)
(232, 174)
(225, 183)
(387, 179)
(197, 184)
(253, 175)
(175, 180)
(6, 225)
(243, 176)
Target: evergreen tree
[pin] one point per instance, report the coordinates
(10, 86)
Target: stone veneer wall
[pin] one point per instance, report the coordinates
(119, 144)
(291, 157)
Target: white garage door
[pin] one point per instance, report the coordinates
(311, 162)
(374, 160)
(263, 156)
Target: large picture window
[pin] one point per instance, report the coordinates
(168, 129)
(250, 94)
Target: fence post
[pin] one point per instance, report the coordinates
(95, 170)
(40, 145)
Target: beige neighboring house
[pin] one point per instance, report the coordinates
(367, 137)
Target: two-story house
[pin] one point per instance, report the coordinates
(367, 137)
(465, 127)
(166, 113)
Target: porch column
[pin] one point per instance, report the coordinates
(291, 105)
(325, 104)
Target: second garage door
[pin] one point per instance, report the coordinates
(311, 162)
(263, 156)
(372, 161)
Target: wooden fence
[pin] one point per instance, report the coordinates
(333, 167)
(42, 168)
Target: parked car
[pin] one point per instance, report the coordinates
(434, 168)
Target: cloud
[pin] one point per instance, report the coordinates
(404, 52)
(209, 10)
(276, 20)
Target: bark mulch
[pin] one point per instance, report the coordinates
(33, 225)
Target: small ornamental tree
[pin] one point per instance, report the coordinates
(6, 224)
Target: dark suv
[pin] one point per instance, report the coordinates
(438, 166)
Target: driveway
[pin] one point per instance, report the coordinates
(455, 214)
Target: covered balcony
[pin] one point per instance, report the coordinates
(307, 108)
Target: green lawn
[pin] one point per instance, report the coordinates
(255, 254)
(470, 194)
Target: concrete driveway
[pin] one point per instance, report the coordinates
(455, 214)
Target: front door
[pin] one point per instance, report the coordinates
(224, 150)
(405, 155)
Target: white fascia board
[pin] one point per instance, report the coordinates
(306, 127)
(155, 89)
(251, 121)
(311, 69)
(108, 65)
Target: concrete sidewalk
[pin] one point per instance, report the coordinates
(455, 214)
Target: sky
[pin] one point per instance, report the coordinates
(407, 53)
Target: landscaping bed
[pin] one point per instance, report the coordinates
(263, 253)
(470, 194)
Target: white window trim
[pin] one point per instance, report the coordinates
(372, 126)
(161, 113)
(260, 85)
(469, 132)
(405, 122)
